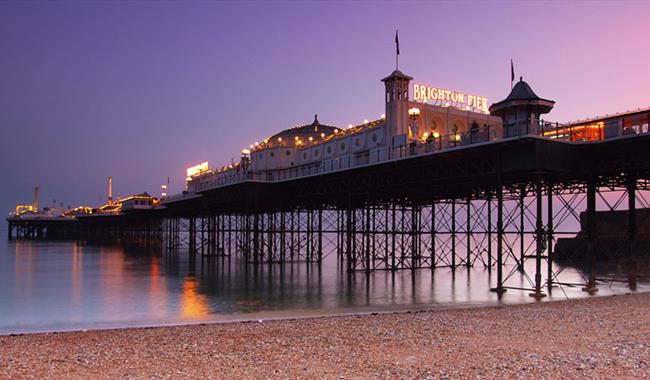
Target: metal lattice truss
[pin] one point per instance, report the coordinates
(514, 229)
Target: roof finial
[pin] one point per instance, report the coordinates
(521, 79)
(316, 119)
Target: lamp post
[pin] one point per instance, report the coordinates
(413, 115)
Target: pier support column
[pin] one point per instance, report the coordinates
(393, 265)
(192, 235)
(499, 288)
(453, 234)
(433, 235)
(348, 239)
(631, 231)
(367, 241)
(468, 233)
(591, 235)
(539, 237)
(320, 234)
(522, 227)
(489, 231)
(549, 236)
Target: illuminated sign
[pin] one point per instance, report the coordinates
(197, 169)
(461, 100)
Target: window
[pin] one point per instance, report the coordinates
(288, 152)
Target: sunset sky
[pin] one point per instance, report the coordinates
(140, 91)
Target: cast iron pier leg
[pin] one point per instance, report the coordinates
(539, 237)
(549, 243)
(591, 235)
(631, 230)
(499, 288)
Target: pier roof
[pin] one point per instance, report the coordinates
(521, 94)
(397, 75)
(301, 132)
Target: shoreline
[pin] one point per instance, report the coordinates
(605, 336)
(301, 314)
(267, 317)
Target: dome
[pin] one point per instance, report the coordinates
(522, 91)
(315, 130)
(522, 95)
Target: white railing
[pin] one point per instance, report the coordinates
(434, 143)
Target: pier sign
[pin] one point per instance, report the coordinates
(197, 169)
(422, 93)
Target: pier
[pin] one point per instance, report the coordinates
(496, 204)
(423, 187)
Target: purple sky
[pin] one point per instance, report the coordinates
(140, 91)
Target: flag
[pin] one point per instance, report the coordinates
(512, 71)
(397, 41)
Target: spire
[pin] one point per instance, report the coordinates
(315, 119)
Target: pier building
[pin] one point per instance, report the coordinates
(410, 125)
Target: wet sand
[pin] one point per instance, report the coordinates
(600, 337)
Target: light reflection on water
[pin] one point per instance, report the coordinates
(47, 286)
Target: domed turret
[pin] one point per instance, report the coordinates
(315, 130)
(520, 111)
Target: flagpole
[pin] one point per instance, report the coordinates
(512, 74)
(396, 49)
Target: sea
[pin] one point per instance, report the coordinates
(48, 286)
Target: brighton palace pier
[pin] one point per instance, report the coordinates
(442, 179)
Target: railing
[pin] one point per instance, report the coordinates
(435, 143)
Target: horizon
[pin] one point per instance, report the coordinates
(140, 91)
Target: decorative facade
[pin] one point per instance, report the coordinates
(407, 128)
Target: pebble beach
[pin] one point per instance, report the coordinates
(600, 337)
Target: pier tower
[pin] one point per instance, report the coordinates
(397, 104)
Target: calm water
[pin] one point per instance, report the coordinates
(52, 286)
